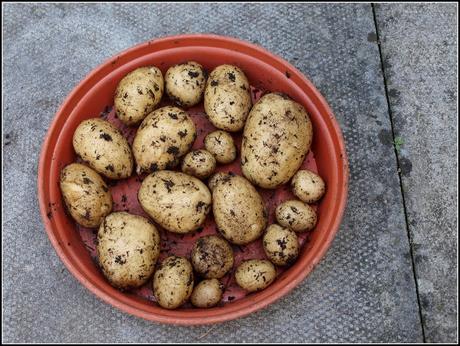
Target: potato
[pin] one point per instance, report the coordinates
(185, 83)
(207, 293)
(227, 98)
(176, 201)
(221, 145)
(280, 245)
(238, 209)
(128, 247)
(199, 163)
(212, 257)
(276, 139)
(85, 194)
(308, 186)
(296, 215)
(255, 275)
(164, 136)
(104, 148)
(212, 182)
(138, 93)
(173, 282)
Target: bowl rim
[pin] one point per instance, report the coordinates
(233, 310)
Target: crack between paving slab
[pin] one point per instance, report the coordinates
(399, 174)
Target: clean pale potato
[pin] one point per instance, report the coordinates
(162, 139)
(185, 83)
(138, 93)
(276, 138)
(255, 275)
(104, 148)
(128, 247)
(220, 144)
(85, 194)
(296, 215)
(207, 293)
(280, 245)
(173, 282)
(308, 186)
(199, 163)
(212, 257)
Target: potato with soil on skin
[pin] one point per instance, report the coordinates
(276, 138)
(173, 282)
(85, 195)
(238, 209)
(212, 257)
(104, 148)
(176, 201)
(138, 94)
(164, 136)
(227, 98)
(185, 83)
(308, 186)
(280, 245)
(220, 144)
(255, 275)
(207, 293)
(296, 215)
(128, 247)
(199, 163)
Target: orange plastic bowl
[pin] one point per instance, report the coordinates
(94, 97)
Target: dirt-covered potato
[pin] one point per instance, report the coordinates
(176, 201)
(173, 282)
(221, 145)
(296, 215)
(308, 186)
(164, 136)
(104, 148)
(238, 209)
(227, 98)
(280, 245)
(138, 94)
(128, 247)
(185, 83)
(199, 163)
(276, 139)
(212, 257)
(255, 275)
(207, 293)
(85, 194)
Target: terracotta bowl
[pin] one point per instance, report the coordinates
(94, 97)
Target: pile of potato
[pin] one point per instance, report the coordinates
(277, 134)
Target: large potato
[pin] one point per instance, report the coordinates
(212, 257)
(276, 139)
(164, 136)
(296, 215)
(255, 275)
(85, 194)
(128, 247)
(104, 148)
(227, 98)
(308, 186)
(280, 245)
(173, 282)
(138, 93)
(238, 209)
(176, 201)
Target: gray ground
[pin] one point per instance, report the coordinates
(365, 288)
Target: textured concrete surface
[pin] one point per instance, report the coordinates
(362, 291)
(419, 49)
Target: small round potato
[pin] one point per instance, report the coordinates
(207, 293)
(212, 257)
(227, 98)
(255, 275)
(128, 247)
(164, 136)
(199, 163)
(221, 145)
(280, 245)
(173, 282)
(296, 215)
(104, 148)
(308, 186)
(185, 83)
(85, 194)
(138, 93)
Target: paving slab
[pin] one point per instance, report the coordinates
(419, 48)
(362, 291)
